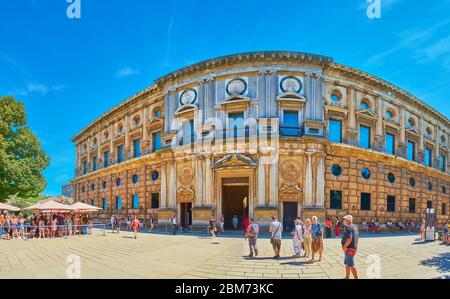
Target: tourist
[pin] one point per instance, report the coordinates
(349, 246)
(174, 223)
(423, 230)
(13, 224)
(336, 227)
(2, 223)
(252, 236)
(41, 224)
(316, 241)
(135, 224)
(297, 238)
(328, 225)
(112, 220)
(444, 233)
(117, 223)
(222, 224)
(21, 227)
(365, 226)
(212, 227)
(152, 225)
(276, 228)
(235, 222)
(54, 226)
(68, 225)
(307, 238)
(6, 231)
(245, 222)
(128, 221)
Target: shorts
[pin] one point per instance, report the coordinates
(349, 260)
(276, 244)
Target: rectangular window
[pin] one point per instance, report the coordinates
(118, 203)
(391, 203)
(105, 204)
(135, 201)
(120, 154)
(442, 163)
(156, 138)
(364, 137)
(290, 124)
(411, 151)
(336, 200)
(93, 202)
(236, 124)
(335, 131)
(390, 144)
(188, 133)
(412, 205)
(429, 204)
(428, 157)
(155, 200)
(365, 201)
(84, 167)
(136, 148)
(106, 159)
(444, 209)
(94, 163)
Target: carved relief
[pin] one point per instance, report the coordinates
(291, 192)
(185, 194)
(290, 171)
(186, 176)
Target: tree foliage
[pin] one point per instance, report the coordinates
(22, 159)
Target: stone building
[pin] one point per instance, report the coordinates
(262, 134)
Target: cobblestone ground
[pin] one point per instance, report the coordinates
(190, 256)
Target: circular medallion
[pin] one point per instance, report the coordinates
(291, 84)
(290, 171)
(155, 175)
(186, 176)
(365, 173)
(188, 96)
(336, 170)
(391, 178)
(237, 87)
(412, 182)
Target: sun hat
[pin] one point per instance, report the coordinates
(348, 217)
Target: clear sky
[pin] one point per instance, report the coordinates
(69, 71)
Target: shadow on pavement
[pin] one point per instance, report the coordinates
(440, 262)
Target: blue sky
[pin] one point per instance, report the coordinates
(69, 71)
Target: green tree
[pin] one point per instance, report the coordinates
(22, 159)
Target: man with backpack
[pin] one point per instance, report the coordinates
(252, 235)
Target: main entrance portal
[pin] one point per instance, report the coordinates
(235, 200)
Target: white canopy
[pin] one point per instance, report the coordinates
(50, 205)
(82, 207)
(6, 207)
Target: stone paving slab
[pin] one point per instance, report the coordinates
(196, 257)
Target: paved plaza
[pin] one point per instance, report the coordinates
(196, 256)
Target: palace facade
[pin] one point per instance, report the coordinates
(266, 133)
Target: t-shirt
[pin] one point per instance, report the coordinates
(351, 232)
(174, 220)
(277, 230)
(299, 231)
(316, 230)
(253, 230)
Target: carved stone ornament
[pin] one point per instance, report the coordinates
(290, 171)
(186, 176)
(235, 160)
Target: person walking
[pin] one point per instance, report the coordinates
(297, 237)
(252, 237)
(336, 227)
(235, 222)
(128, 221)
(212, 226)
(135, 224)
(328, 228)
(174, 223)
(117, 224)
(316, 241)
(349, 246)
(222, 224)
(112, 220)
(276, 229)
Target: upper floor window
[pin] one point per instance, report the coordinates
(389, 115)
(411, 151)
(428, 157)
(412, 205)
(84, 167)
(335, 130)
(106, 159)
(135, 201)
(94, 163)
(443, 139)
(411, 123)
(429, 132)
(158, 113)
(289, 126)
(442, 163)
(236, 124)
(137, 120)
(119, 153)
(105, 204)
(364, 105)
(336, 96)
(136, 148)
(156, 138)
(118, 202)
(364, 137)
(188, 132)
(120, 130)
(391, 203)
(390, 144)
(155, 200)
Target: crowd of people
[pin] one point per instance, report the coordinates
(44, 225)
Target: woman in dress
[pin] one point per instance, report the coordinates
(21, 226)
(41, 227)
(222, 223)
(297, 237)
(54, 226)
(328, 228)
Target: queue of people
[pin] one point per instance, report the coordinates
(44, 225)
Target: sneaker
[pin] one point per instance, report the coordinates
(250, 255)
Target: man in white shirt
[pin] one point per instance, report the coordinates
(112, 223)
(276, 228)
(174, 223)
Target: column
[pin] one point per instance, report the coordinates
(320, 181)
(421, 151)
(172, 181)
(261, 184)
(99, 154)
(351, 101)
(379, 127)
(111, 144)
(436, 146)
(199, 181)
(209, 185)
(127, 138)
(308, 200)
(163, 200)
(145, 135)
(402, 137)
(273, 200)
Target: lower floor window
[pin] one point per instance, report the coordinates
(118, 203)
(391, 203)
(335, 200)
(365, 201)
(444, 209)
(105, 204)
(155, 200)
(412, 205)
(135, 201)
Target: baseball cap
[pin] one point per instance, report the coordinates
(348, 217)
